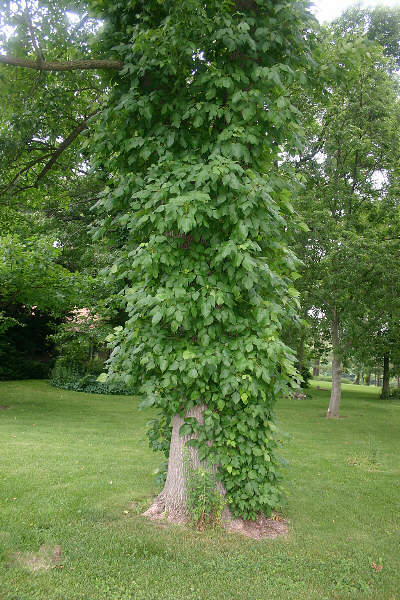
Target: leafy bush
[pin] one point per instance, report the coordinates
(18, 366)
(395, 393)
(25, 352)
(90, 385)
(71, 377)
(306, 375)
(80, 340)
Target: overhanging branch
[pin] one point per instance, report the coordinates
(51, 156)
(64, 145)
(68, 65)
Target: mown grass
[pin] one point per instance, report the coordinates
(72, 463)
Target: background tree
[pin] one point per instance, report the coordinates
(46, 189)
(349, 165)
(379, 24)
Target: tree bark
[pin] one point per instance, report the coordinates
(171, 502)
(398, 381)
(315, 370)
(68, 65)
(357, 380)
(336, 393)
(368, 379)
(386, 378)
(300, 355)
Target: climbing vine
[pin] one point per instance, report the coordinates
(192, 135)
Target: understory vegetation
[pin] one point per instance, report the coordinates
(77, 473)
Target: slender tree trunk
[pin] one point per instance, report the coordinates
(336, 393)
(398, 381)
(368, 379)
(315, 370)
(386, 378)
(300, 354)
(378, 381)
(171, 502)
(357, 380)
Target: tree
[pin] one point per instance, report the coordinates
(348, 166)
(46, 190)
(380, 24)
(204, 97)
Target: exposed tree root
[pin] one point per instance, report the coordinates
(159, 511)
(262, 527)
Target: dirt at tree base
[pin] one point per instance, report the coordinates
(262, 528)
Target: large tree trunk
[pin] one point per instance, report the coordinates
(171, 502)
(386, 378)
(315, 370)
(336, 393)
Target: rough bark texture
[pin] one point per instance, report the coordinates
(315, 370)
(68, 65)
(386, 378)
(336, 393)
(171, 502)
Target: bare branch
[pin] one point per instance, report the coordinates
(68, 65)
(64, 145)
(35, 44)
(24, 169)
(53, 157)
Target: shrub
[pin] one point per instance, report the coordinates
(71, 377)
(25, 352)
(90, 385)
(306, 375)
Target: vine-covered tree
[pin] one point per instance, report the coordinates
(192, 132)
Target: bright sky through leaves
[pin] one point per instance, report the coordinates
(326, 10)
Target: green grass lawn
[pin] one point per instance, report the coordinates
(72, 463)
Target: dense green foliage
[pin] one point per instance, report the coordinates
(25, 351)
(349, 167)
(39, 111)
(47, 258)
(73, 463)
(379, 24)
(69, 379)
(192, 132)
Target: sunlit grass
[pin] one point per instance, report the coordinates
(72, 464)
